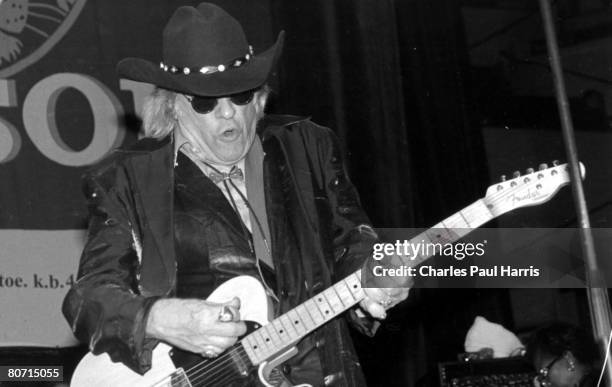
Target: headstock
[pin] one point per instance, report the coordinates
(533, 188)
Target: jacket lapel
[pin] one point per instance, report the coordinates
(208, 194)
(152, 174)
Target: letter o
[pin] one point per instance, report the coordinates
(10, 141)
(40, 124)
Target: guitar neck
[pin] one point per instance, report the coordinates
(451, 229)
(300, 321)
(291, 327)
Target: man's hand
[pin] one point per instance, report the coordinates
(378, 300)
(194, 325)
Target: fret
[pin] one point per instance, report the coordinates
(259, 342)
(421, 254)
(454, 231)
(333, 301)
(475, 214)
(457, 220)
(248, 344)
(422, 237)
(309, 324)
(296, 322)
(353, 284)
(436, 226)
(344, 293)
(315, 312)
(291, 332)
(281, 330)
(441, 234)
(273, 335)
(324, 306)
(465, 220)
(479, 213)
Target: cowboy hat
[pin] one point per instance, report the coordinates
(204, 52)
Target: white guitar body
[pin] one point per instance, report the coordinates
(254, 307)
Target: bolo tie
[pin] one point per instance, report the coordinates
(226, 178)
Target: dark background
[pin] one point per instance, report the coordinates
(430, 105)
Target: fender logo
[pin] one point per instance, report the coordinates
(529, 195)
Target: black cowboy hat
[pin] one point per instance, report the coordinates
(205, 52)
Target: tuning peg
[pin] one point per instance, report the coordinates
(529, 171)
(502, 178)
(543, 166)
(516, 174)
(555, 162)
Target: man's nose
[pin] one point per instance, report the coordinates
(225, 108)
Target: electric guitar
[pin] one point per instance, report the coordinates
(271, 343)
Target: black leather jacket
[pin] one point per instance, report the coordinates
(129, 259)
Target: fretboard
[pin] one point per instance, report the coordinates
(291, 327)
(452, 228)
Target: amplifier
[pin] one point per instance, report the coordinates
(511, 372)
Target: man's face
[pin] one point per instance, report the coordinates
(225, 134)
(558, 371)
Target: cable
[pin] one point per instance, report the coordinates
(603, 366)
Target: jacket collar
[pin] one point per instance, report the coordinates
(152, 173)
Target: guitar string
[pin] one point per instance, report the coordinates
(200, 368)
(218, 380)
(219, 376)
(229, 352)
(207, 374)
(199, 371)
(212, 366)
(496, 197)
(202, 372)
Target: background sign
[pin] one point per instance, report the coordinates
(62, 108)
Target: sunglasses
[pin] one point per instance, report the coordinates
(205, 105)
(542, 376)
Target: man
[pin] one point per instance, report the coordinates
(565, 356)
(218, 190)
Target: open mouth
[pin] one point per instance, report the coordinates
(229, 134)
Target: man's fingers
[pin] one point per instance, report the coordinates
(218, 342)
(230, 311)
(227, 329)
(377, 295)
(398, 293)
(211, 351)
(234, 303)
(387, 297)
(375, 309)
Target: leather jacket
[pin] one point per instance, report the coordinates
(129, 259)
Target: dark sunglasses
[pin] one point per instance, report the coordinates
(542, 376)
(205, 105)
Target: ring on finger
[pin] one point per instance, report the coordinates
(209, 353)
(386, 302)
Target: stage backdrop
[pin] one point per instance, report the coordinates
(62, 108)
